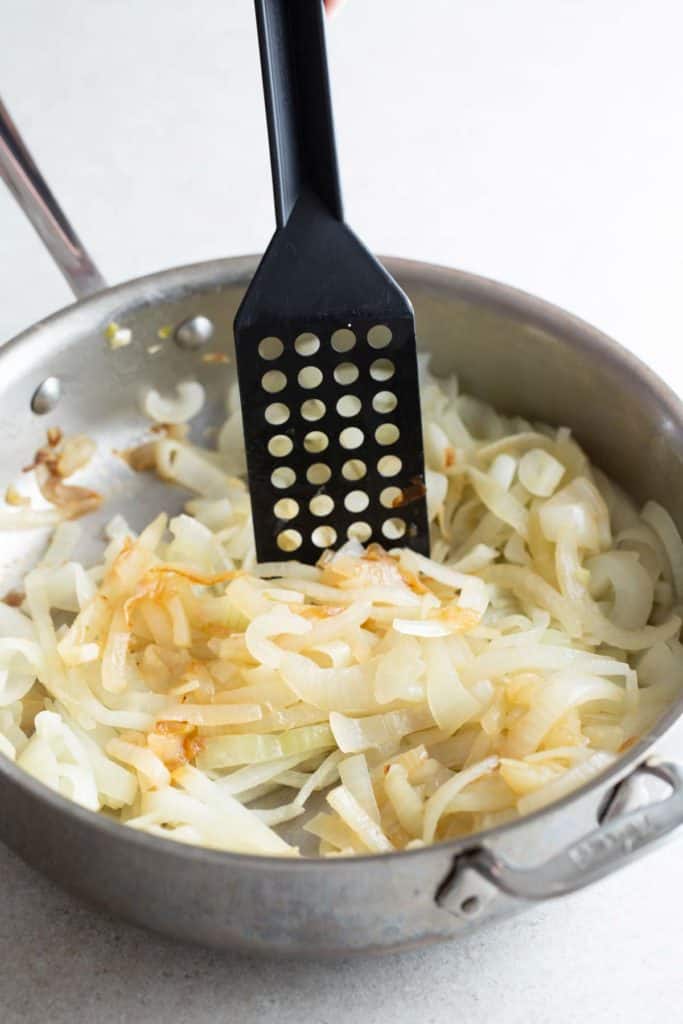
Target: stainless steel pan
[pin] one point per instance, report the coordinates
(523, 355)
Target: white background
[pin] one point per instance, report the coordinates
(539, 142)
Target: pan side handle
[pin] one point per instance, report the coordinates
(479, 875)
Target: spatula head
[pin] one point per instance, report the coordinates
(325, 344)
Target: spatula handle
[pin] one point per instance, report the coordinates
(296, 85)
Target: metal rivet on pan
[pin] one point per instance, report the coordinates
(46, 396)
(470, 906)
(194, 333)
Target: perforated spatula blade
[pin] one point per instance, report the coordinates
(324, 337)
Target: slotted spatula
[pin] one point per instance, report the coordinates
(325, 338)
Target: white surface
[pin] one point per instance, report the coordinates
(537, 142)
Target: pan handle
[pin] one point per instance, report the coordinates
(479, 875)
(31, 191)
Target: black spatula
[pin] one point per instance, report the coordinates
(325, 338)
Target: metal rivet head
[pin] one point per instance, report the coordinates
(46, 396)
(470, 906)
(194, 333)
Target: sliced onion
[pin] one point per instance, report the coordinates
(449, 702)
(188, 401)
(358, 820)
(662, 523)
(438, 802)
(499, 501)
(619, 576)
(540, 472)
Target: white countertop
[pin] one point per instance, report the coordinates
(538, 142)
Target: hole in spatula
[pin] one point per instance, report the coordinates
(387, 433)
(312, 409)
(307, 344)
(390, 497)
(389, 465)
(379, 336)
(354, 469)
(321, 505)
(384, 402)
(316, 441)
(393, 529)
(382, 369)
(346, 373)
(283, 477)
(359, 531)
(280, 445)
(270, 348)
(273, 381)
(310, 377)
(286, 508)
(289, 540)
(318, 473)
(348, 405)
(343, 340)
(277, 413)
(351, 437)
(324, 536)
(356, 501)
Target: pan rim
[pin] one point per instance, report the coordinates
(195, 277)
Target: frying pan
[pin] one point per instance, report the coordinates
(517, 352)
